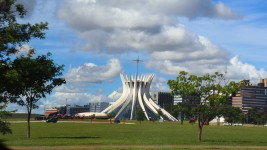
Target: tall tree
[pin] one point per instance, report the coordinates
(182, 109)
(140, 115)
(232, 114)
(206, 92)
(12, 36)
(256, 117)
(33, 78)
(110, 116)
(4, 125)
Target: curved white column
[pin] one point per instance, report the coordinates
(136, 93)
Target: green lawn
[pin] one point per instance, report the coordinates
(147, 133)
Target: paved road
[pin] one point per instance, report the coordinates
(134, 147)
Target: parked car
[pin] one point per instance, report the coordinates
(265, 125)
(40, 117)
(227, 124)
(53, 119)
(237, 124)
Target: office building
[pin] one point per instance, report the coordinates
(252, 96)
(164, 99)
(91, 107)
(98, 106)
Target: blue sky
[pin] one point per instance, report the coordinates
(97, 40)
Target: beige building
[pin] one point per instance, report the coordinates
(50, 111)
(252, 96)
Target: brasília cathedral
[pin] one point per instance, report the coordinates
(136, 97)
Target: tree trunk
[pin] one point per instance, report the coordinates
(200, 134)
(218, 121)
(200, 127)
(182, 118)
(28, 124)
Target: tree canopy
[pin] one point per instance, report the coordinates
(24, 79)
(12, 36)
(205, 93)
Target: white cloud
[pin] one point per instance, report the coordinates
(23, 49)
(225, 12)
(208, 58)
(159, 84)
(90, 72)
(69, 88)
(239, 70)
(60, 98)
(138, 14)
(150, 27)
(119, 26)
(115, 95)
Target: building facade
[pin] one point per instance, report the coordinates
(91, 107)
(98, 106)
(72, 110)
(163, 99)
(252, 97)
(50, 111)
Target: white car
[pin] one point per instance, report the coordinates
(237, 124)
(226, 124)
(265, 125)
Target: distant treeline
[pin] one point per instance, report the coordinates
(22, 115)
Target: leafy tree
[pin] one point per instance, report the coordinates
(205, 92)
(256, 117)
(110, 116)
(92, 117)
(12, 36)
(183, 109)
(33, 78)
(232, 114)
(140, 115)
(4, 125)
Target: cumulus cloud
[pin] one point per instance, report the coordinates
(239, 70)
(115, 95)
(75, 98)
(150, 27)
(119, 26)
(90, 72)
(225, 12)
(141, 25)
(208, 58)
(138, 14)
(159, 84)
(69, 88)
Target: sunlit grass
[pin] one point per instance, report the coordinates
(146, 133)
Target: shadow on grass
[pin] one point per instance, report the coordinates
(70, 137)
(227, 142)
(3, 146)
(223, 141)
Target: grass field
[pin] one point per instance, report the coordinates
(147, 133)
